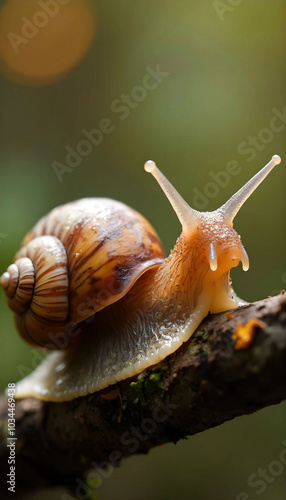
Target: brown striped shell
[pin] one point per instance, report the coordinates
(78, 259)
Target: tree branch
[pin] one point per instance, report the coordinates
(204, 383)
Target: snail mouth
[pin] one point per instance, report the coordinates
(233, 256)
(240, 255)
(244, 259)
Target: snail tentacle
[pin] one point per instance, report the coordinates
(233, 205)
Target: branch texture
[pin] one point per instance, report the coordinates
(206, 382)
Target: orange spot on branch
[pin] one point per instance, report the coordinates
(113, 395)
(82, 419)
(244, 334)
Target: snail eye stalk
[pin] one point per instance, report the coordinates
(187, 216)
(232, 206)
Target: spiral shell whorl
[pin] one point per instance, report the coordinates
(36, 286)
(18, 283)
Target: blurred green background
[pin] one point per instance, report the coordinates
(226, 77)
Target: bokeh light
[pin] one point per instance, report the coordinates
(43, 40)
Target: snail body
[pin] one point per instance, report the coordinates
(91, 283)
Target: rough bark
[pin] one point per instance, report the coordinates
(204, 383)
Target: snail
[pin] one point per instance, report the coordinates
(91, 283)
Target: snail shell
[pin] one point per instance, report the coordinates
(93, 273)
(80, 258)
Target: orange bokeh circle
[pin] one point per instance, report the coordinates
(42, 40)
